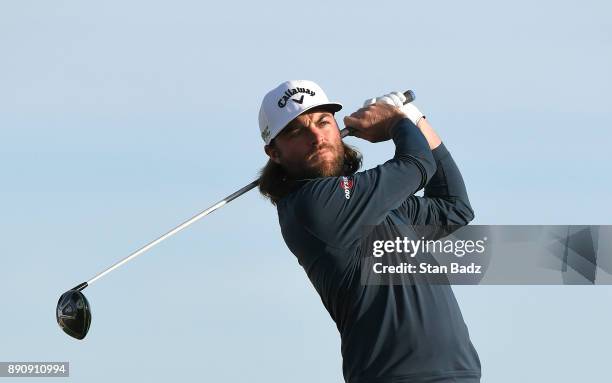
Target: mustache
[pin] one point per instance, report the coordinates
(316, 149)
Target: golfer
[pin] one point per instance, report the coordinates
(327, 210)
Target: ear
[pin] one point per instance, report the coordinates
(273, 153)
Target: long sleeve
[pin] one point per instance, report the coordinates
(445, 202)
(336, 209)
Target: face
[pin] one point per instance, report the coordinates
(310, 146)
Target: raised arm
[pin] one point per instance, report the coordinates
(445, 205)
(446, 202)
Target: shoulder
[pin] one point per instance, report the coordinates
(318, 202)
(318, 192)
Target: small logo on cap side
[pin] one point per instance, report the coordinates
(292, 92)
(266, 133)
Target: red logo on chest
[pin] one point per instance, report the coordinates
(346, 184)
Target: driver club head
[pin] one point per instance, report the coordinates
(73, 313)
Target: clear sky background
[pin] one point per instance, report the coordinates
(120, 119)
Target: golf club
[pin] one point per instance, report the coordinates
(73, 311)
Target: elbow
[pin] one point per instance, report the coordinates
(458, 214)
(428, 167)
(464, 213)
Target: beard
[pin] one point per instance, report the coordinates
(318, 163)
(275, 182)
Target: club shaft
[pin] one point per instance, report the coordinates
(343, 133)
(180, 227)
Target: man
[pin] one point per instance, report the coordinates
(328, 212)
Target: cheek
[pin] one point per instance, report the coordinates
(335, 140)
(293, 152)
(333, 136)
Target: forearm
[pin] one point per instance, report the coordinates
(445, 205)
(430, 134)
(447, 182)
(410, 146)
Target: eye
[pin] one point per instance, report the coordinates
(292, 132)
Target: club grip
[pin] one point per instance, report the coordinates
(409, 94)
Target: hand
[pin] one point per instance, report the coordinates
(397, 99)
(374, 122)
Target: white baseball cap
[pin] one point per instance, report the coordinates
(287, 101)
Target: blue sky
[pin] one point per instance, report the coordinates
(118, 120)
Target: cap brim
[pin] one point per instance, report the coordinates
(331, 106)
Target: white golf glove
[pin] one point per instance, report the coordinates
(397, 99)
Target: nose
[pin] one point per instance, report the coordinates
(315, 135)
